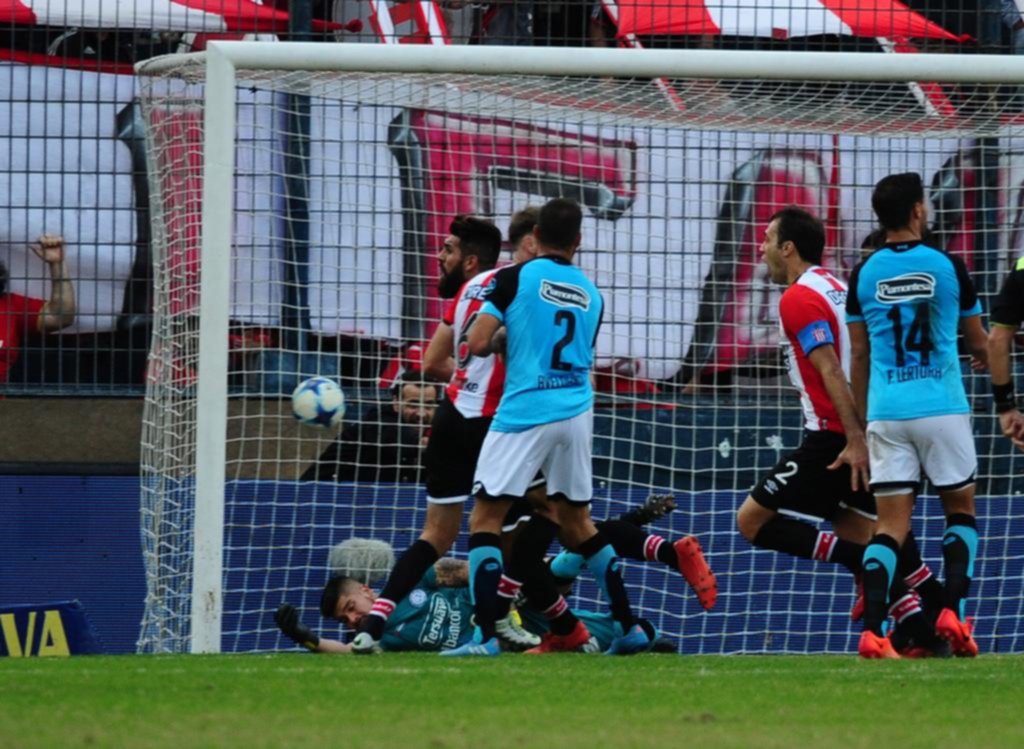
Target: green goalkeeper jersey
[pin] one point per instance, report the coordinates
(429, 618)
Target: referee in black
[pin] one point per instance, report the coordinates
(1007, 316)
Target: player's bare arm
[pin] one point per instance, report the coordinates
(287, 619)
(976, 340)
(451, 573)
(482, 339)
(333, 646)
(59, 310)
(855, 454)
(1000, 340)
(860, 367)
(437, 359)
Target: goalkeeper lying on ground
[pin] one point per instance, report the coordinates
(436, 614)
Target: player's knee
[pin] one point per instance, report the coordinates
(959, 501)
(441, 527)
(440, 537)
(853, 527)
(747, 522)
(487, 516)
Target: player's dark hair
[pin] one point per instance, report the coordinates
(804, 230)
(559, 223)
(3, 279)
(894, 198)
(477, 236)
(332, 592)
(522, 223)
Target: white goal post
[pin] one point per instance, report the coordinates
(305, 69)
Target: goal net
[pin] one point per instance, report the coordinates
(300, 194)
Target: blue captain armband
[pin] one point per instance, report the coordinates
(818, 333)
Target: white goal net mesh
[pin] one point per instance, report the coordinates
(337, 221)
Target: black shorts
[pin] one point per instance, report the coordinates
(519, 512)
(802, 482)
(449, 459)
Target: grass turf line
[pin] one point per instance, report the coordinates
(555, 702)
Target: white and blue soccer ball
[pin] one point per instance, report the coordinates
(318, 402)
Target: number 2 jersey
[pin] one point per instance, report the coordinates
(477, 383)
(911, 297)
(812, 314)
(552, 313)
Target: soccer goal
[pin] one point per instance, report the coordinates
(299, 195)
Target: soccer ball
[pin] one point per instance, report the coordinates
(318, 402)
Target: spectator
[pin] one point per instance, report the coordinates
(601, 29)
(1013, 19)
(509, 23)
(386, 445)
(20, 315)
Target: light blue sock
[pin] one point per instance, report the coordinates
(479, 557)
(958, 542)
(879, 567)
(567, 565)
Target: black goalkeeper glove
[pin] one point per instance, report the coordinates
(287, 619)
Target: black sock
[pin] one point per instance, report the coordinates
(912, 568)
(605, 567)
(627, 539)
(508, 589)
(959, 546)
(910, 620)
(530, 547)
(666, 554)
(406, 575)
(485, 565)
(553, 606)
(879, 573)
(539, 585)
(807, 542)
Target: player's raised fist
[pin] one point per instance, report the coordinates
(49, 248)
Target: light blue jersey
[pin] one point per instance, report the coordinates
(429, 618)
(552, 313)
(911, 297)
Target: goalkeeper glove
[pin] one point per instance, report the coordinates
(287, 619)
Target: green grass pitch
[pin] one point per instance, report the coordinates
(555, 702)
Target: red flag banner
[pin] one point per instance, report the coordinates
(160, 15)
(777, 19)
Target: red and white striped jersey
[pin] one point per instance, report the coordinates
(477, 383)
(812, 313)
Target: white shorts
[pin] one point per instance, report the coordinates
(942, 445)
(561, 450)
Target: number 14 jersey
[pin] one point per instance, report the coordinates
(911, 297)
(552, 313)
